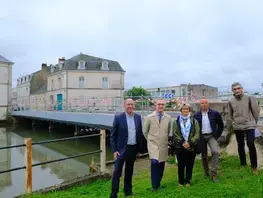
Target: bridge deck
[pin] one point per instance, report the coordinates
(98, 120)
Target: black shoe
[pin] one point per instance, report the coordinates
(129, 194)
(154, 190)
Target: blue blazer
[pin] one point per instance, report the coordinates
(216, 122)
(119, 133)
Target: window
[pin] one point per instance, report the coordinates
(52, 84)
(105, 83)
(81, 65)
(81, 82)
(204, 93)
(105, 65)
(59, 83)
(183, 90)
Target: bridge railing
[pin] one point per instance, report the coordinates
(107, 104)
(28, 156)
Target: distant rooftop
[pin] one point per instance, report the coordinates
(4, 60)
(92, 63)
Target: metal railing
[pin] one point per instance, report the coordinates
(28, 154)
(105, 104)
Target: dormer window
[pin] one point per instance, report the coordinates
(60, 65)
(81, 65)
(105, 65)
(52, 68)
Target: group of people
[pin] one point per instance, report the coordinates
(190, 134)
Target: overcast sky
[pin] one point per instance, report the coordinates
(158, 43)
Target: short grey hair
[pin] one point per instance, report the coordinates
(159, 99)
(236, 84)
(185, 105)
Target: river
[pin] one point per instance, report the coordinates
(13, 183)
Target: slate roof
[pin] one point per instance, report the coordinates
(4, 60)
(91, 63)
(40, 90)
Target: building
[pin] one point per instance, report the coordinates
(70, 82)
(14, 97)
(30, 85)
(197, 90)
(5, 87)
(81, 78)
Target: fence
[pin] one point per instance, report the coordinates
(28, 156)
(106, 104)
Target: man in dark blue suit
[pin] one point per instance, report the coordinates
(211, 128)
(126, 140)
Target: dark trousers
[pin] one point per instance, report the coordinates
(250, 137)
(157, 169)
(129, 157)
(185, 160)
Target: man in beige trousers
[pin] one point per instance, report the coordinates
(156, 131)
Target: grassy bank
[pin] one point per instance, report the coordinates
(233, 182)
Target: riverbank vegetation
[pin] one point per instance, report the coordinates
(234, 182)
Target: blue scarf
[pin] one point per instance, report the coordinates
(185, 128)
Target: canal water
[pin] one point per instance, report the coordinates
(13, 183)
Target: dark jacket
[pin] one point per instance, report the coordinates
(119, 133)
(178, 138)
(216, 122)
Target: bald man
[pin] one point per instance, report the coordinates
(211, 128)
(126, 140)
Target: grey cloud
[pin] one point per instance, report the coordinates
(158, 43)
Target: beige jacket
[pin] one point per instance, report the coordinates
(156, 135)
(242, 115)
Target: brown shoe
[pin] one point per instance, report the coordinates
(214, 179)
(255, 171)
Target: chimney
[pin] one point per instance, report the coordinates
(43, 66)
(61, 60)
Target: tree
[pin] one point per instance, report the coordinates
(137, 92)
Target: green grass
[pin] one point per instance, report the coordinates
(234, 181)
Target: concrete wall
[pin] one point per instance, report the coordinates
(203, 90)
(38, 101)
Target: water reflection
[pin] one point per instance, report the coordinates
(12, 184)
(5, 159)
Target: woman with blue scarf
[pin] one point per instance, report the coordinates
(185, 138)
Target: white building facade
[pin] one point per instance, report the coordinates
(5, 87)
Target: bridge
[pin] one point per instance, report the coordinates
(99, 112)
(96, 119)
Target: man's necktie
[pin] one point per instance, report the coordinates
(160, 117)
